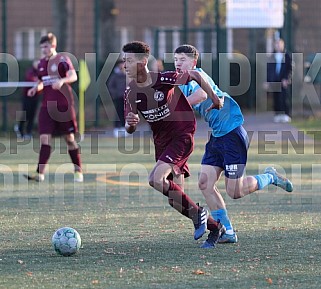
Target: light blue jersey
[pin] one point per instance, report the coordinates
(220, 121)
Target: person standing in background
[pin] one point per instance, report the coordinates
(279, 71)
(57, 116)
(117, 85)
(29, 105)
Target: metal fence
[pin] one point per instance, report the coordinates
(23, 23)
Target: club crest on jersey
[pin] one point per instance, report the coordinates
(158, 95)
(53, 67)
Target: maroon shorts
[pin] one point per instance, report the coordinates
(176, 151)
(54, 122)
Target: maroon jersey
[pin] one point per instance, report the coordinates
(48, 72)
(162, 105)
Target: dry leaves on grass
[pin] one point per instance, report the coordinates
(198, 272)
(109, 251)
(235, 270)
(269, 280)
(176, 269)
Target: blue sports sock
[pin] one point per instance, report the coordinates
(221, 215)
(263, 180)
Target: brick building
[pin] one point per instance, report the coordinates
(138, 19)
(144, 20)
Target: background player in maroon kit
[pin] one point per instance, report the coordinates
(159, 100)
(57, 114)
(29, 105)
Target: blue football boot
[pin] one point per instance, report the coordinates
(227, 238)
(279, 180)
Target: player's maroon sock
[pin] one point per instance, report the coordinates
(44, 155)
(180, 201)
(211, 224)
(75, 158)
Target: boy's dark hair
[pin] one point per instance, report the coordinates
(187, 49)
(141, 49)
(50, 38)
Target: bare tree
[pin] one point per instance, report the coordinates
(107, 17)
(60, 16)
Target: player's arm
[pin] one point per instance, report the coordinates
(198, 77)
(130, 111)
(198, 96)
(71, 76)
(37, 88)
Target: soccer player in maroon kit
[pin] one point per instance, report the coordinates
(57, 114)
(159, 100)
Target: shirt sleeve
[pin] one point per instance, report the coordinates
(189, 88)
(65, 65)
(175, 78)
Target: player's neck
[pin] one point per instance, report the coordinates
(52, 55)
(144, 79)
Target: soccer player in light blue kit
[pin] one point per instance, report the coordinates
(226, 149)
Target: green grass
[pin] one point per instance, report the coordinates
(133, 239)
(310, 126)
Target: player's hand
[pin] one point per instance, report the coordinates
(132, 119)
(266, 85)
(32, 91)
(285, 83)
(57, 84)
(217, 105)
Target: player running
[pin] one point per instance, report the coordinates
(159, 100)
(57, 114)
(226, 149)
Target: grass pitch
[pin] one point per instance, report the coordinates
(131, 238)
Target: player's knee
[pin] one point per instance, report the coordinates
(45, 139)
(202, 185)
(158, 185)
(171, 202)
(153, 182)
(202, 182)
(72, 145)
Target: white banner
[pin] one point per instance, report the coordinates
(254, 14)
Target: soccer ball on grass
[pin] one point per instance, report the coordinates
(66, 241)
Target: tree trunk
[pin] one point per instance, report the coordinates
(60, 16)
(107, 35)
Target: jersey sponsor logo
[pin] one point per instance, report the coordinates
(231, 169)
(54, 67)
(49, 80)
(156, 114)
(159, 95)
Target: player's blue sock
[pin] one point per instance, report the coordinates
(221, 215)
(263, 180)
